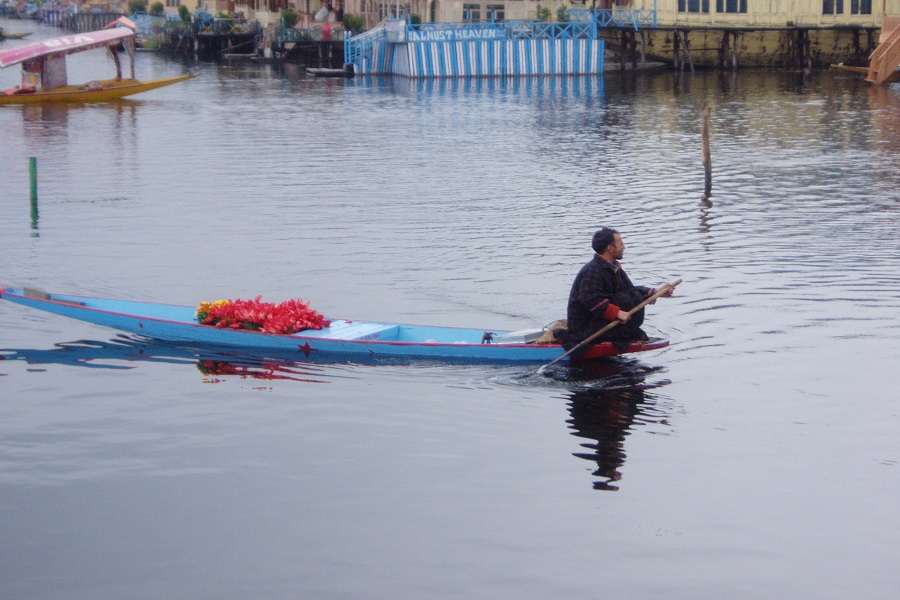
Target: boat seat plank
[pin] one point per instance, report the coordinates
(350, 330)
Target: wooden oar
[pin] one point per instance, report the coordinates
(660, 292)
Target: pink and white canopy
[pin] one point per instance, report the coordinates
(64, 45)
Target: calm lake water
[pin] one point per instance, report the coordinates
(757, 457)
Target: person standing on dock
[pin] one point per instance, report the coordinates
(603, 293)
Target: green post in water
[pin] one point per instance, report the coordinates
(32, 172)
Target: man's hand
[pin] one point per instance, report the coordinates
(623, 316)
(666, 294)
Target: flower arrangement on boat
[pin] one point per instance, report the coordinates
(287, 317)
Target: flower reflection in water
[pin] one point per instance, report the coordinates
(213, 369)
(127, 352)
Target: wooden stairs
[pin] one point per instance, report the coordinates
(885, 59)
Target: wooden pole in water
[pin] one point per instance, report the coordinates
(734, 50)
(707, 160)
(676, 51)
(643, 49)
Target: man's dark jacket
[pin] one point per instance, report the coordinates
(599, 292)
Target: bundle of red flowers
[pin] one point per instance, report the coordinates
(288, 317)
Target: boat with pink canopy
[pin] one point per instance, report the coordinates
(44, 75)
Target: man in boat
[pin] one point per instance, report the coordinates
(602, 293)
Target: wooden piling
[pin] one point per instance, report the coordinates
(676, 51)
(685, 46)
(734, 49)
(707, 159)
(728, 50)
(643, 49)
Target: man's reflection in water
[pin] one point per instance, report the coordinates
(606, 412)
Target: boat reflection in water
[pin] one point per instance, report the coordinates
(608, 399)
(124, 350)
(612, 401)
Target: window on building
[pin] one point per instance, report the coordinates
(731, 6)
(693, 6)
(495, 12)
(861, 7)
(474, 13)
(833, 7)
(391, 11)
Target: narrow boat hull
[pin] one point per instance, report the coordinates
(176, 324)
(893, 78)
(330, 72)
(97, 91)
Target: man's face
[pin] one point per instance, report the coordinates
(618, 247)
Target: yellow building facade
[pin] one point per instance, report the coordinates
(690, 13)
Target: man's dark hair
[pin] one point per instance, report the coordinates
(603, 238)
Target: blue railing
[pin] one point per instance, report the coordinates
(359, 47)
(538, 30)
(615, 17)
(515, 30)
(309, 35)
(452, 26)
(620, 17)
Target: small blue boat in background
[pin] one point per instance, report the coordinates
(178, 324)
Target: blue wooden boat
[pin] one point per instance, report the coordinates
(178, 324)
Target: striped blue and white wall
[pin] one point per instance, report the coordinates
(485, 58)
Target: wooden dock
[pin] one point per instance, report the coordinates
(731, 48)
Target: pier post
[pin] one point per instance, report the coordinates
(682, 36)
(643, 49)
(724, 50)
(800, 50)
(728, 50)
(735, 37)
(676, 50)
(634, 54)
(707, 158)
